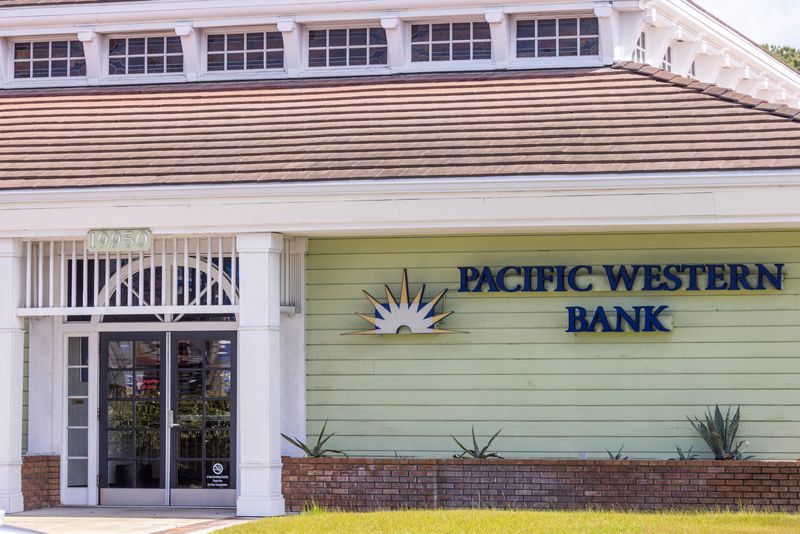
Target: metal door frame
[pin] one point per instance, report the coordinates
(202, 496)
(169, 434)
(130, 496)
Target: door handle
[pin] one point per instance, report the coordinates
(171, 420)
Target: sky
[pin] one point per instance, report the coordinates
(764, 21)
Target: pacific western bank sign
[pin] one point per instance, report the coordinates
(670, 278)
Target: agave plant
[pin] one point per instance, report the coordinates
(719, 433)
(688, 455)
(317, 451)
(476, 451)
(618, 455)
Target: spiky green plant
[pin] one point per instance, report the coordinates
(719, 433)
(317, 451)
(688, 455)
(476, 451)
(618, 455)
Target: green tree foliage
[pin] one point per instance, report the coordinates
(787, 54)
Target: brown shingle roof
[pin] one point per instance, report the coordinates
(581, 121)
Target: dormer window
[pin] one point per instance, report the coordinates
(640, 50)
(244, 51)
(666, 62)
(49, 59)
(145, 55)
(457, 41)
(558, 37)
(347, 47)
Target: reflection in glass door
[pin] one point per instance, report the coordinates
(204, 396)
(131, 415)
(166, 419)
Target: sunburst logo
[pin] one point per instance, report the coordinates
(412, 316)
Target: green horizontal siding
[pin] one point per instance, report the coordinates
(553, 393)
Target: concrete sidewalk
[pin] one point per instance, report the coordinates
(151, 520)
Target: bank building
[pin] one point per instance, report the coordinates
(223, 220)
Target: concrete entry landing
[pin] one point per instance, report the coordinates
(103, 520)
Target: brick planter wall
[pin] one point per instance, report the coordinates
(366, 484)
(41, 481)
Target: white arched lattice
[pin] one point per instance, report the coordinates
(178, 275)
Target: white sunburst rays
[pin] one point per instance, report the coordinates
(413, 314)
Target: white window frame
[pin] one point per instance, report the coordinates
(555, 61)
(124, 79)
(356, 70)
(639, 54)
(443, 66)
(666, 61)
(457, 62)
(263, 74)
(60, 81)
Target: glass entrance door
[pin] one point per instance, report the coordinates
(166, 419)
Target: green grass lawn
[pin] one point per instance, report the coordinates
(486, 521)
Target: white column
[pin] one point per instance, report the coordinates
(292, 46)
(5, 74)
(190, 43)
(293, 347)
(396, 49)
(44, 377)
(258, 376)
(92, 49)
(499, 26)
(12, 336)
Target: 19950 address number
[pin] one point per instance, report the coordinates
(134, 240)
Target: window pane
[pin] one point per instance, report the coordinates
(482, 50)
(567, 27)
(41, 50)
(236, 42)
(377, 36)
(358, 37)
(255, 60)
(116, 66)
(190, 444)
(77, 67)
(190, 475)
(440, 32)
(337, 38)
(148, 444)
(22, 70)
(255, 41)
(462, 31)
(236, 61)
(78, 442)
(590, 46)
(420, 53)
(218, 383)
(120, 444)
(77, 412)
(120, 354)
(216, 62)
(274, 40)
(174, 45)
(440, 52)
(120, 384)
(274, 60)
(358, 56)
(317, 58)
(22, 50)
(420, 33)
(120, 474)
(120, 414)
(155, 45)
(116, 47)
(589, 26)
(567, 47)
(59, 49)
(378, 55)
(77, 383)
(337, 57)
(462, 51)
(78, 351)
(526, 29)
(526, 48)
(317, 38)
(547, 48)
(148, 384)
(174, 64)
(481, 31)
(148, 414)
(77, 473)
(76, 49)
(136, 46)
(216, 43)
(148, 474)
(547, 28)
(155, 64)
(41, 69)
